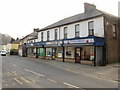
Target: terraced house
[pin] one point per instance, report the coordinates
(87, 38)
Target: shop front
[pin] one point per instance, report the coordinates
(31, 50)
(87, 50)
(40, 50)
(53, 50)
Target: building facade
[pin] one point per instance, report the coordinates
(88, 38)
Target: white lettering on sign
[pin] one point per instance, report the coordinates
(90, 40)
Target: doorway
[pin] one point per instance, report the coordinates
(77, 54)
(53, 53)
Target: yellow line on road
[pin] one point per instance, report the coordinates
(17, 81)
(52, 80)
(25, 80)
(31, 79)
(9, 73)
(14, 72)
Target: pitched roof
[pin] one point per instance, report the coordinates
(76, 18)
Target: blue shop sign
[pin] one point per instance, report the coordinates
(39, 44)
(30, 44)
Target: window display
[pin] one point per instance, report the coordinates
(49, 52)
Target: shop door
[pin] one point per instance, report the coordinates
(53, 53)
(77, 55)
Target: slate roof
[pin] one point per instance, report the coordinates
(76, 18)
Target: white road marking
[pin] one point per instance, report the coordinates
(17, 81)
(38, 74)
(13, 64)
(52, 80)
(73, 86)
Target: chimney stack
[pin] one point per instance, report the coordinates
(89, 7)
(36, 29)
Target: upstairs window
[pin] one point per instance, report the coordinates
(65, 32)
(114, 33)
(91, 28)
(48, 35)
(56, 32)
(41, 36)
(77, 30)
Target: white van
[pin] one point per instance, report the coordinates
(3, 52)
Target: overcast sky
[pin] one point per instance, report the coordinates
(19, 17)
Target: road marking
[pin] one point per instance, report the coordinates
(9, 73)
(31, 79)
(73, 86)
(52, 80)
(38, 74)
(14, 72)
(25, 80)
(13, 64)
(17, 81)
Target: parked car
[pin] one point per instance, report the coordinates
(3, 52)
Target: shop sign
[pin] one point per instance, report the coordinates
(51, 42)
(39, 44)
(59, 43)
(30, 44)
(90, 40)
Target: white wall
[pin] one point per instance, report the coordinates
(98, 29)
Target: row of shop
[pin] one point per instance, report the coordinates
(88, 50)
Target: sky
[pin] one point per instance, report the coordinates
(18, 18)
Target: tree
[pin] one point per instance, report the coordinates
(17, 38)
(12, 40)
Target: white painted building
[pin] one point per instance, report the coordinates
(80, 38)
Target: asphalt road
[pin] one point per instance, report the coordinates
(19, 72)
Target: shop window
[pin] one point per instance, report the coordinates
(87, 53)
(41, 52)
(65, 32)
(56, 32)
(69, 52)
(77, 30)
(59, 52)
(91, 28)
(48, 52)
(114, 31)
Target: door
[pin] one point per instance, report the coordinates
(53, 53)
(77, 55)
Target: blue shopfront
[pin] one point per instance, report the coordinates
(87, 50)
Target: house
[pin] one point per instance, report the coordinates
(30, 45)
(26, 47)
(87, 38)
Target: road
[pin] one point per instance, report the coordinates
(20, 72)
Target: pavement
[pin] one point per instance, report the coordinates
(108, 72)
